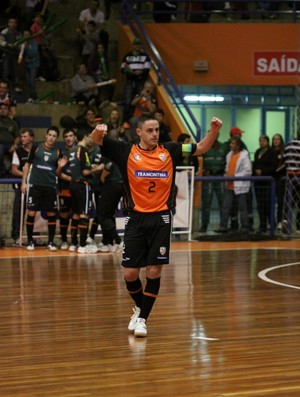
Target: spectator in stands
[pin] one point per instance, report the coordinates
(213, 165)
(49, 63)
(8, 99)
(144, 104)
(64, 193)
(164, 129)
(38, 34)
(92, 13)
(9, 9)
(19, 159)
(89, 41)
(84, 87)
(99, 68)
(234, 131)
(28, 14)
(41, 187)
(237, 132)
(114, 124)
(88, 121)
(135, 66)
(265, 164)
(280, 173)
(238, 164)
(31, 58)
(10, 54)
(9, 138)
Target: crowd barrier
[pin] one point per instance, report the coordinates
(182, 221)
(188, 207)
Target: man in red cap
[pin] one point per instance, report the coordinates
(234, 131)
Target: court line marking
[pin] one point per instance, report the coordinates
(263, 275)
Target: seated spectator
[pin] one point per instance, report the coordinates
(8, 99)
(88, 121)
(9, 138)
(84, 87)
(164, 129)
(92, 13)
(113, 124)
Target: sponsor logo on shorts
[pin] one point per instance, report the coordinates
(162, 250)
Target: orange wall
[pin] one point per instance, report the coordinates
(171, 117)
(228, 48)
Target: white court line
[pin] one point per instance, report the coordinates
(263, 276)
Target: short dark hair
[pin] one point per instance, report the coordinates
(182, 137)
(142, 119)
(53, 128)
(29, 130)
(81, 133)
(67, 130)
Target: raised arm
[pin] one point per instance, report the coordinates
(206, 143)
(98, 133)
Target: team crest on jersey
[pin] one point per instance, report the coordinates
(137, 157)
(162, 250)
(46, 158)
(162, 157)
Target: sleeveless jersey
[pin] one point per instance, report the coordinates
(148, 176)
(44, 163)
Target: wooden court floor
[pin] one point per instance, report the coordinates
(226, 324)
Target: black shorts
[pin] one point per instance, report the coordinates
(147, 239)
(65, 203)
(42, 198)
(81, 198)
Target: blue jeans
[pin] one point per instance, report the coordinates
(228, 201)
(31, 74)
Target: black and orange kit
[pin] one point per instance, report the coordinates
(80, 186)
(150, 196)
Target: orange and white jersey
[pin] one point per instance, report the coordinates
(148, 175)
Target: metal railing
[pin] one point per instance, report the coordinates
(130, 17)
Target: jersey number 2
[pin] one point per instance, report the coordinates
(152, 187)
